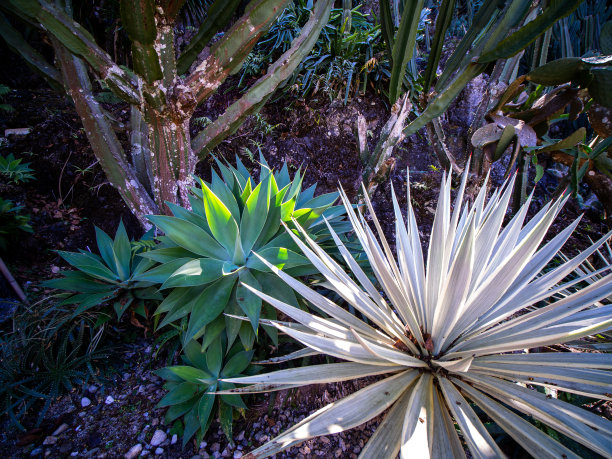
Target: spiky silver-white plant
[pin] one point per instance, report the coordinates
(452, 332)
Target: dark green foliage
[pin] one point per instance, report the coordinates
(342, 61)
(14, 171)
(46, 354)
(113, 276)
(191, 387)
(11, 222)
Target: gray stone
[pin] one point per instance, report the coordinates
(158, 437)
(60, 429)
(50, 440)
(174, 439)
(92, 389)
(159, 451)
(36, 452)
(237, 454)
(109, 400)
(134, 451)
(85, 402)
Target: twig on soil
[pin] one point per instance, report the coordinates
(11, 280)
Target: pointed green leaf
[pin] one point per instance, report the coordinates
(89, 265)
(254, 215)
(237, 364)
(105, 246)
(210, 304)
(161, 273)
(122, 252)
(214, 357)
(189, 236)
(195, 272)
(181, 393)
(222, 224)
(247, 300)
(403, 47)
(190, 374)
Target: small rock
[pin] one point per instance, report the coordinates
(324, 439)
(60, 429)
(159, 451)
(240, 436)
(36, 452)
(74, 454)
(85, 402)
(50, 440)
(109, 400)
(174, 439)
(134, 451)
(215, 447)
(158, 437)
(55, 269)
(237, 454)
(92, 389)
(203, 445)
(145, 452)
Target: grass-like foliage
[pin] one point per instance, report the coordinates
(449, 335)
(44, 355)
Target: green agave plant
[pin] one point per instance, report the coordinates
(208, 253)
(450, 336)
(192, 386)
(115, 275)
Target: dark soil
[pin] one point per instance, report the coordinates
(70, 195)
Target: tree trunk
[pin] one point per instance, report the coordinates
(172, 159)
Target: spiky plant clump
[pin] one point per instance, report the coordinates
(452, 334)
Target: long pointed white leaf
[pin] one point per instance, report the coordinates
(536, 442)
(417, 429)
(345, 414)
(479, 441)
(386, 440)
(540, 407)
(314, 374)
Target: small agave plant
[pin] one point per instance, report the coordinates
(116, 275)
(451, 336)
